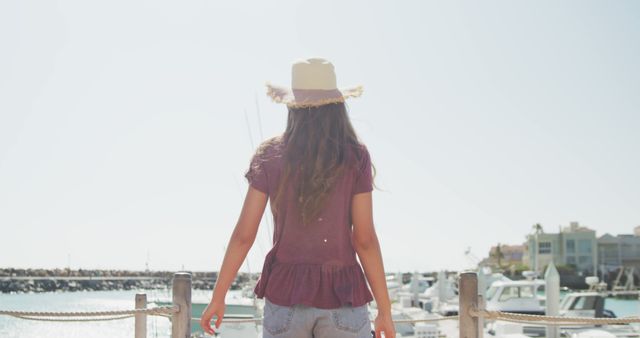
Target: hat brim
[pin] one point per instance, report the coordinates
(300, 98)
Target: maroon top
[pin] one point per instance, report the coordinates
(313, 265)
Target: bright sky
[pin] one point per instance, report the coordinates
(126, 126)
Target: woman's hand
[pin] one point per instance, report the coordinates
(384, 323)
(213, 309)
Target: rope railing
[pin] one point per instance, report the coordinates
(550, 320)
(87, 316)
(74, 319)
(167, 311)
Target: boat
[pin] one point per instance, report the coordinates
(439, 296)
(585, 304)
(523, 296)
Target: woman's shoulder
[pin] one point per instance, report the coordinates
(360, 152)
(264, 162)
(361, 148)
(269, 149)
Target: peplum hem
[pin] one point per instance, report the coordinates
(317, 285)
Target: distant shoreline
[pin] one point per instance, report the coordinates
(66, 280)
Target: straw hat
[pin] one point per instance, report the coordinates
(313, 83)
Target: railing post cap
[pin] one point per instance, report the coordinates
(181, 275)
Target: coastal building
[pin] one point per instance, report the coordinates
(502, 255)
(573, 245)
(619, 251)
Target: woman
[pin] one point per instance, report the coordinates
(318, 178)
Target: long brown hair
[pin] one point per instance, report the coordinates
(318, 145)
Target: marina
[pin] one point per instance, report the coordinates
(416, 310)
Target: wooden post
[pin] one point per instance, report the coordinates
(468, 289)
(141, 318)
(181, 321)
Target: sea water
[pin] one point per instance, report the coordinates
(124, 300)
(623, 307)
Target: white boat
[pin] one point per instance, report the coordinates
(585, 304)
(429, 295)
(523, 296)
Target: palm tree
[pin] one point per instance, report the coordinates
(537, 229)
(498, 255)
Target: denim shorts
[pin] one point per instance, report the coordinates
(301, 321)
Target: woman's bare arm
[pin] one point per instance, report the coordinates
(365, 242)
(241, 240)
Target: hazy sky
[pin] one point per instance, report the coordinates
(123, 132)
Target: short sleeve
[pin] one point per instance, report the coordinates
(257, 174)
(364, 177)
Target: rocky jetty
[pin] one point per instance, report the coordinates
(51, 280)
